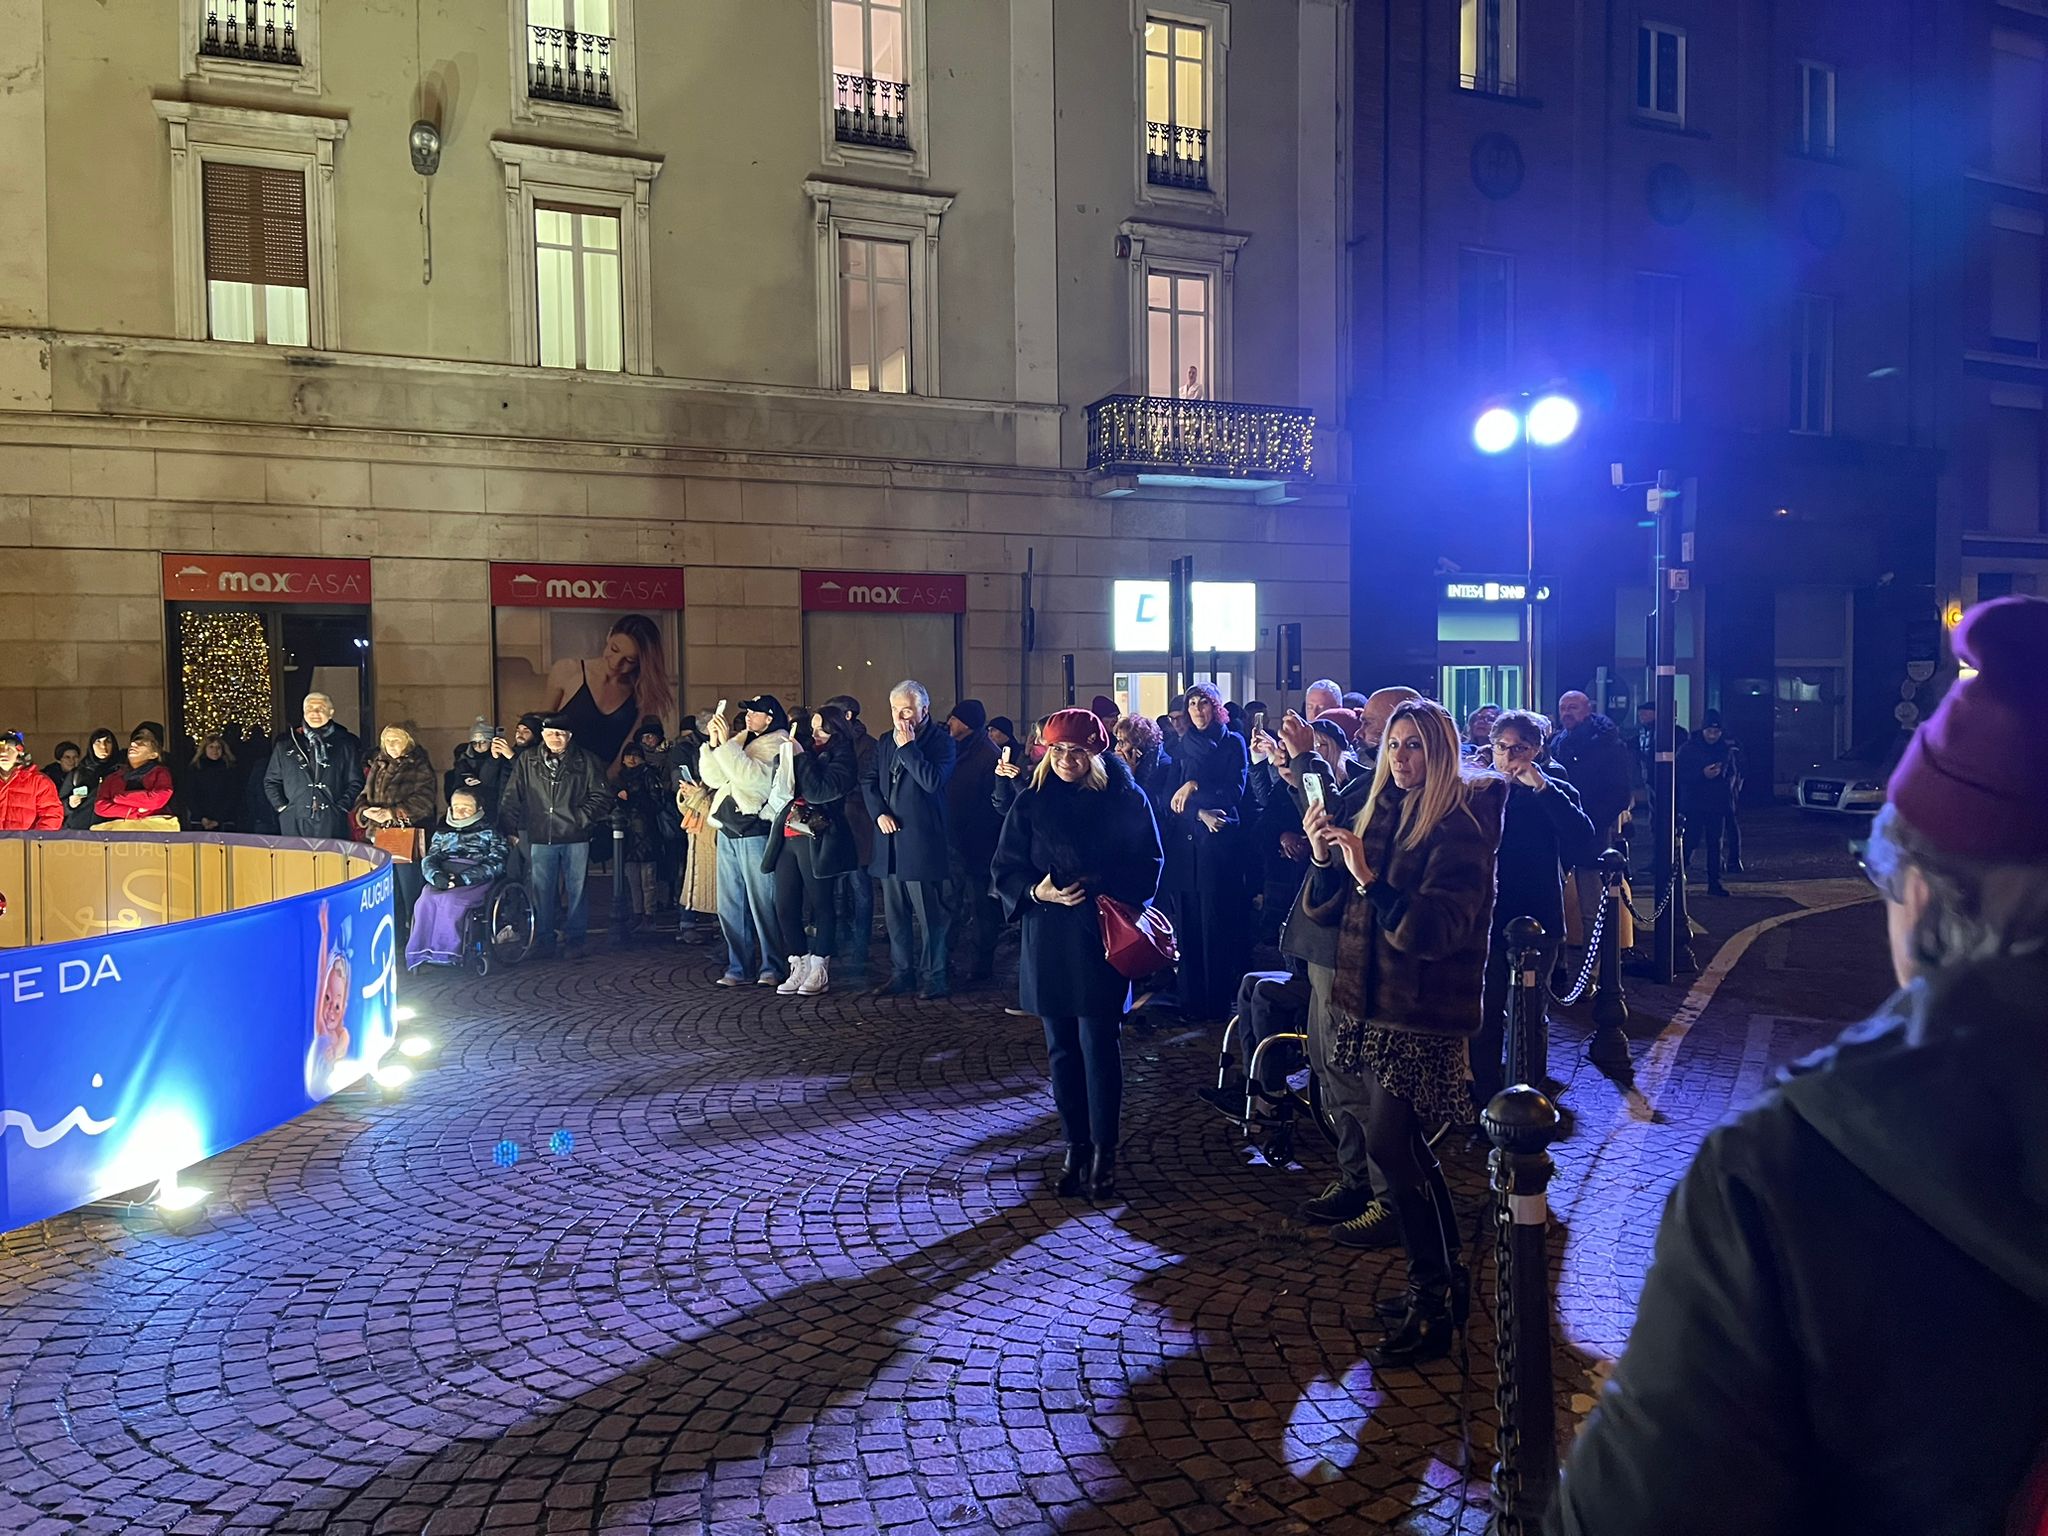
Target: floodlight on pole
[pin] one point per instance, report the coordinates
(1497, 430)
(1534, 421)
(1552, 420)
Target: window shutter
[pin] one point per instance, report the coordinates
(255, 224)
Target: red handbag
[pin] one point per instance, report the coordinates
(1138, 943)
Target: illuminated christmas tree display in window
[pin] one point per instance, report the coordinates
(226, 673)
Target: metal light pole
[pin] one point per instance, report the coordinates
(1544, 421)
(1673, 950)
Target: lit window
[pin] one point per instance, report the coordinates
(1177, 336)
(569, 47)
(874, 315)
(1176, 104)
(257, 286)
(576, 285)
(1486, 46)
(1658, 307)
(1816, 110)
(1813, 364)
(870, 74)
(1660, 72)
(1486, 306)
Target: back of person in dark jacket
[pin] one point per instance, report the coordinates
(813, 849)
(905, 786)
(1598, 760)
(1543, 831)
(857, 887)
(1844, 1330)
(1209, 906)
(1082, 830)
(972, 825)
(555, 795)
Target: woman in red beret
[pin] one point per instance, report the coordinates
(1082, 829)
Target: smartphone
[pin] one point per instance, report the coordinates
(1312, 788)
(721, 709)
(1259, 720)
(1006, 753)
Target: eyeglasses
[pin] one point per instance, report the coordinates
(1066, 751)
(1887, 880)
(1507, 746)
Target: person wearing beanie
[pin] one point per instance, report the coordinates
(972, 825)
(555, 794)
(1846, 1324)
(1104, 709)
(1082, 829)
(462, 861)
(1707, 771)
(478, 768)
(137, 798)
(1002, 732)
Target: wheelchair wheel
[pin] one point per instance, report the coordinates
(1324, 1117)
(512, 925)
(476, 942)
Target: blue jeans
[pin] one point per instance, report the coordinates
(925, 902)
(548, 864)
(1087, 1061)
(746, 911)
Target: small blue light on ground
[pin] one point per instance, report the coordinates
(505, 1153)
(562, 1143)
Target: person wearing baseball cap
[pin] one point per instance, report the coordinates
(1846, 1324)
(1082, 829)
(28, 800)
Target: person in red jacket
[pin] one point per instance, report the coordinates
(141, 790)
(28, 800)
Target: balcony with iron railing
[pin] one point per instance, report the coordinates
(1177, 157)
(870, 112)
(574, 68)
(1161, 440)
(254, 31)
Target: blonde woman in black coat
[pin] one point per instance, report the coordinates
(1082, 830)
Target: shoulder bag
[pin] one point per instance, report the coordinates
(1137, 942)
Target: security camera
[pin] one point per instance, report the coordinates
(1615, 475)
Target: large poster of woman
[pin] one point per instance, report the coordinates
(596, 644)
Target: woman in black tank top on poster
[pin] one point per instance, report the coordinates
(603, 697)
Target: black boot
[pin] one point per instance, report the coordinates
(1102, 1175)
(1393, 1310)
(1073, 1170)
(1424, 1332)
(1429, 1232)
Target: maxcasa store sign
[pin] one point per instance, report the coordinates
(882, 592)
(263, 579)
(519, 585)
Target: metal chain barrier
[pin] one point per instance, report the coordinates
(1656, 917)
(1578, 988)
(1507, 1470)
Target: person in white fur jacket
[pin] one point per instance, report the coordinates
(746, 774)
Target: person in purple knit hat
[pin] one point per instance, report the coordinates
(1845, 1327)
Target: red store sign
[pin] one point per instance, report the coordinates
(264, 579)
(518, 584)
(882, 592)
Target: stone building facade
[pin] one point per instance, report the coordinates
(763, 294)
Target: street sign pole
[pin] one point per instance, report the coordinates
(1673, 950)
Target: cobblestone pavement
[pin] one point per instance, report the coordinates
(794, 1269)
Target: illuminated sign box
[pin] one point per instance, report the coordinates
(1492, 592)
(1226, 615)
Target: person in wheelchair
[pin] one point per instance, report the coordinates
(464, 862)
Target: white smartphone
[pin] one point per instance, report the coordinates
(1312, 788)
(1006, 753)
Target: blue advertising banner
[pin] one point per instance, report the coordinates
(129, 1056)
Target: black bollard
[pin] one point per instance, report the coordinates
(1521, 1123)
(1609, 1045)
(1528, 1015)
(621, 922)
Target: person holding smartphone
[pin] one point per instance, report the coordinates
(1081, 829)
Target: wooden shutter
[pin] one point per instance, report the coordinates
(255, 224)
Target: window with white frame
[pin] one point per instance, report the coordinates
(1659, 309)
(1178, 335)
(2018, 62)
(1813, 364)
(874, 82)
(1816, 110)
(578, 294)
(252, 224)
(1181, 288)
(258, 287)
(1660, 72)
(578, 236)
(252, 42)
(1183, 46)
(572, 63)
(1486, 310)
(1487, 52)
(878, 288)
(874, 315)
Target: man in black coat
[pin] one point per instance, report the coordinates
(973, 824)
(1708, 767)
(905, 788)
(1845, 1327)
(477, 771)
(554, 795)
(315, 773)
(1598, 760)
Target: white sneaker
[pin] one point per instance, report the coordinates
(819, 977)
(799, 968)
